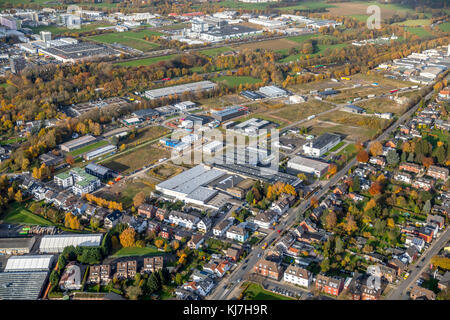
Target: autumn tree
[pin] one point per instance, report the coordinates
(331, 220)
(427, 162)
(139, 199)
(362, 156)
(127, 238)
(376, 148)
(375, 188)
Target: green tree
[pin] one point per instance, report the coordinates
(54, 278)
(427, 207)
(133, 292)
(392, 157)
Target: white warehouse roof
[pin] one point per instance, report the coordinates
(29, 263)
(57, 243)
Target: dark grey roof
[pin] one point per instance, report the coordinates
(22, 285)
(324, 139)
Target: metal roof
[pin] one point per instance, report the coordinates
(21, 285)
(29, 263)
(57, 243)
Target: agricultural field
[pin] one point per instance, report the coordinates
(136, 159)
(239, 5)
(146, 61)
(359, 9)
(233, 82)
(88, 148)
(215, 51)
(308, 5)
(18, 214)
(279, 44)
(301, 111)
(133, 39)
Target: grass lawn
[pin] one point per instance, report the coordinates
(239, 5)
(88, 148)
(256, 292)
(419, 31)
(233, 82)
(17, 213)
(337, 147)
(146, 134)
(322, 48)
(445, 26)
(414, 23)
(215, 51)
(308, 5)
(146, 61)
(135, 252)
(133, 39)
(349, 150)
(4, 85)
(302, 38)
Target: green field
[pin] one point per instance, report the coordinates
(308, 5)
(349, 151)
(215, 51)
(146, 61)
(88, 148)
(136, 252)
(419, 31)
(321, 49)
(233, 82)
(445, 26)
(133, 39)
(256, 292)
(239, 5)
(414, 23)
(17, 213)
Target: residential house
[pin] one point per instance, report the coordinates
(235, 251)
(165, 232)
(265, 219)
(403, 177)
(308, 225)
(267, 268)
(329, 285)
(436, 219)
(153, 264)
(438, 172)
(186, 220)
(161, 214)
(196, 241)
(282, 205)
(126, 269)
(99, 274)
(71, 277)
(379, 161)
(423, 183)
(426, 234)
(147, 210)
(202, 288)
(112, 219)
(419, 293)
(204, 224)
(444, 283)
(237, 233)
(410, 167)
(298, 276)
(397, 265)
(220, 229)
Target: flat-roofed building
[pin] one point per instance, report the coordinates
(303, 164)
(180, 89)
(438, 172)
(229, 113)
(16, 246)
(100, 152)
(322, 144)
(273, 92)
(23, 285)
(57, 243)
(29, 263)
(77, 143)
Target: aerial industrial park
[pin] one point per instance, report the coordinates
(224, 150)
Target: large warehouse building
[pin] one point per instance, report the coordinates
(14, 246)
(303, 164)
(180, 89)
(189, 185)
(77, 143)
(57, 243)
(22, 285)
(30, 263)
(229, 113)
(322, 144)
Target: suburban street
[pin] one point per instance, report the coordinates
(400, 292)
(222, 291)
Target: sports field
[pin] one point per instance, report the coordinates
(233, 82)
(133, 39)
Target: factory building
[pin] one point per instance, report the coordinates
(322, 144)
(77, 143)
(180, 89)
(303, 164)
(229, 113)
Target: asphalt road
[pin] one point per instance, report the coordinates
(222, 291)
(400, 292)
